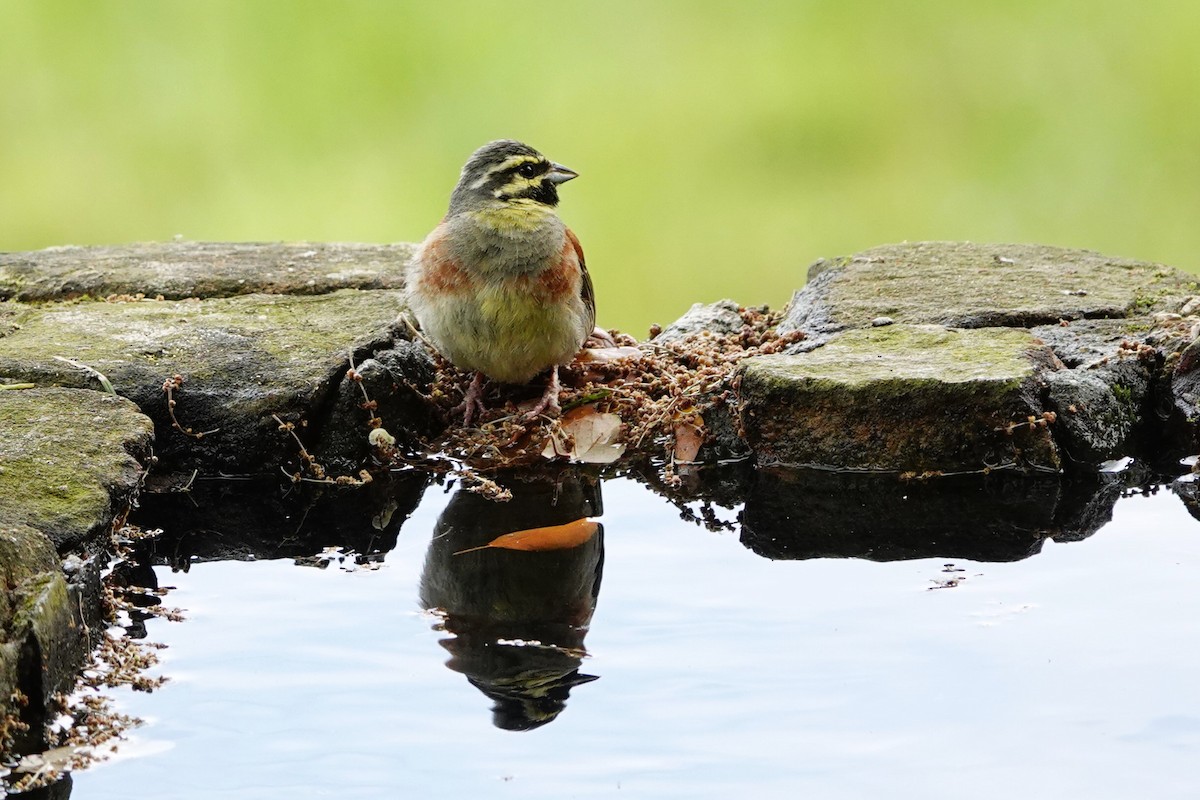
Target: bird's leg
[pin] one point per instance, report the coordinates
(549, 401)
(472, 402)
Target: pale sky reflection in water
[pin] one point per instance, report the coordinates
(1070, 674)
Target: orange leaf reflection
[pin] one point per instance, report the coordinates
(552, 537)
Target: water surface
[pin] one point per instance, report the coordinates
(717, 672)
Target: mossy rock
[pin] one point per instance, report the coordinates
(70, 465)
(70, 460)
(902, 398)
(178, 270)
(243, 359)
(967, 285)
(24, 554)
(42, 643)
(1109, 322)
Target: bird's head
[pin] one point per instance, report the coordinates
(508, 172)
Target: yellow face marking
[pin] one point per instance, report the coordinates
(508, 163)
(516, 185)
(520, 213)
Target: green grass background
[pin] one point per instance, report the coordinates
(722, 146)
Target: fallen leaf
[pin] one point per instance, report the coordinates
(688, 440)
(552, 537)
(595, 435)
(606, 355)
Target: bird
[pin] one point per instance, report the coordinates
(500, 286)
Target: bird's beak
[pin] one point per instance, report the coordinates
(560, 174)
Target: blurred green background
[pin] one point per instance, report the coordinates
(722, 146)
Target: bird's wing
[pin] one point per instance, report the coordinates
(586, 292)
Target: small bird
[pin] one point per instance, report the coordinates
(500, 286)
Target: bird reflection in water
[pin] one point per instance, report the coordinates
(518, 617)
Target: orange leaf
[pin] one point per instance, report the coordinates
(552, 537)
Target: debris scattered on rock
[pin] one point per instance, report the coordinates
(633, 401)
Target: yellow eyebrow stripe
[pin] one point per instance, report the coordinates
(508, 163)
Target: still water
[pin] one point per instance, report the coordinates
(706, 671)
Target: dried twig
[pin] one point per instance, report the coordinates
(170, 386)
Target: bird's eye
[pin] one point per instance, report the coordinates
(528, 170)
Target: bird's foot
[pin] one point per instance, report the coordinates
(549, 402)
(472, 402)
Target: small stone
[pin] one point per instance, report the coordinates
(722, 318)
(880, 322)
(72, 564)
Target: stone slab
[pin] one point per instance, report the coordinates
(183, 269)
(242, 358)
(902, 398)
(966, 285)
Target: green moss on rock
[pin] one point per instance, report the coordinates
(260, 339)
(49, 641)
(69, 460)
(24, 552)
(941, 355)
